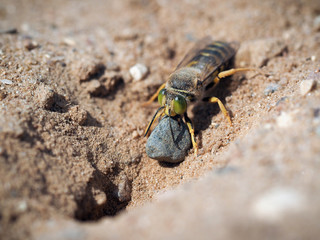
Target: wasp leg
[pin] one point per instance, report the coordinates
(228, 73)
(222, 108)
(154, 96)
(231, 72)
(191, 130)
(216, 81)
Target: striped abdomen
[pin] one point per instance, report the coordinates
(212, 58)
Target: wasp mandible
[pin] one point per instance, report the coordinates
(206, 63)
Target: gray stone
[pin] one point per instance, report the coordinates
(163, 146)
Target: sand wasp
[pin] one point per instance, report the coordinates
(205, 64)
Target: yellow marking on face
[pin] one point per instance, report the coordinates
(172, 113)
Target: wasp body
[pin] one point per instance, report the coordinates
(203, 65)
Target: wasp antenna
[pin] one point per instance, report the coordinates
(170, 125)
(155, 116)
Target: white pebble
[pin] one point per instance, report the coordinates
(69, 41)
(135, 134)
(138, 71)
(275, 203)
(22, 206)
(316, 23)
(285, 120)
(306, 86)
(6, 81)
(101, 198)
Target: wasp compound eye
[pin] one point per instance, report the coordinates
(179, 105)
(162, 97)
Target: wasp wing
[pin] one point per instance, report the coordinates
(208, 56)
(199, 45)
(214, 63)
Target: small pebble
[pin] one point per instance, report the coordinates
(6, 81)
(78, 115)
(162, 146)
(22, 206)
(271, 88)
(138, 71)
(285, 120)
(111, 81)
(95, 88)
(87, 68)
(316, 23)
(100, 198)
(126, 34)
(69, 41)
(30, 45)
(306, 86)
(124, 189)
(135, 134)
(45, 97)
(113, 66)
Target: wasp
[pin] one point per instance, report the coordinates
(204, 65)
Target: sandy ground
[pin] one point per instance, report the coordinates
(71, 122)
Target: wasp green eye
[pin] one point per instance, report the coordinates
(179, 105)
(162, 97)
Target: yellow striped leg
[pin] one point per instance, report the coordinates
(228, 73)
(216, 81)
(232, 71)
(191, 130)
(222, 108)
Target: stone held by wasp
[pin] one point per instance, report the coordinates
(166, 147)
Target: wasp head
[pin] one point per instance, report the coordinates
(173, 103)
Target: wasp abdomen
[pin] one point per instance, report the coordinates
(213, 55)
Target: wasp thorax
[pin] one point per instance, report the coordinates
(183, 79)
